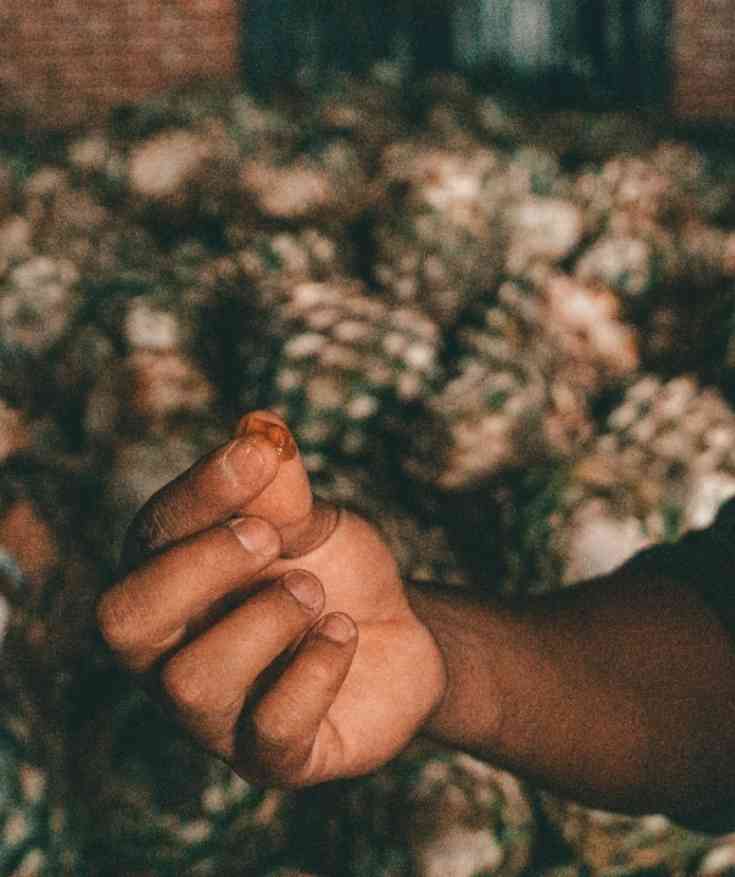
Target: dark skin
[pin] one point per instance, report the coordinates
(618, 693)
(355, 643)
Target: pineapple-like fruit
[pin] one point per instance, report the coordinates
(706, 187)
(7, 187)
(176, 157)
(67, 221)
(39, 298)
(65, 216)
(416, 539)
(443, 105)
(526, 369)
(635, 265)
(251, 287)
(536, 170)
(707, 250)
(467, 818)
(659, 241)
(437, 237)
(165, 804)
(277, 263)
(36, 836)
(421, 549)
(19, 405)
(328, 184)
(262, 127)
(157, 379)
(633, 189)
(40, 190)
(347, 360)
(430, 812)
(664, 464)
(676, 284)
(93, 153)
(612, 845)
(729, 255)
(128, 800)
(117, 355)
(719, 859)
(184, 170)
(15, 434)
(541, 228)
(367, 111)
(16, 240)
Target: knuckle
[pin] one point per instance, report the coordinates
(149, 529)
(154, 526)
(280, 751)
(116, 622)
(183, 686)
(213, 556)
(274, 731)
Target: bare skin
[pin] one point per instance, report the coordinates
(279, 633)
(619, 693)
(291, 678)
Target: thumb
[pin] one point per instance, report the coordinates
(288, 502)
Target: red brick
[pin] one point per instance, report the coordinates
(67, 59)
(703, 65)
(206, 8)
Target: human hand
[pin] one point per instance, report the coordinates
(276, 627)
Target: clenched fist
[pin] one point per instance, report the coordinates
(274, 626)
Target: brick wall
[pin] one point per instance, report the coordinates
(62, 61)
(703, 59)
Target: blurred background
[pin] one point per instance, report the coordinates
(480, 254)
(608, 52)
(63, 60)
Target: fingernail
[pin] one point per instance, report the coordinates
(255, 535)
(304, 588)
(338, 628)
(277, 435)
(243, 460)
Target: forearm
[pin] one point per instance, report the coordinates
(619, 693)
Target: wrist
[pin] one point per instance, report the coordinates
(469, 712)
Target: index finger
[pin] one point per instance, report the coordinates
(208, 493)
